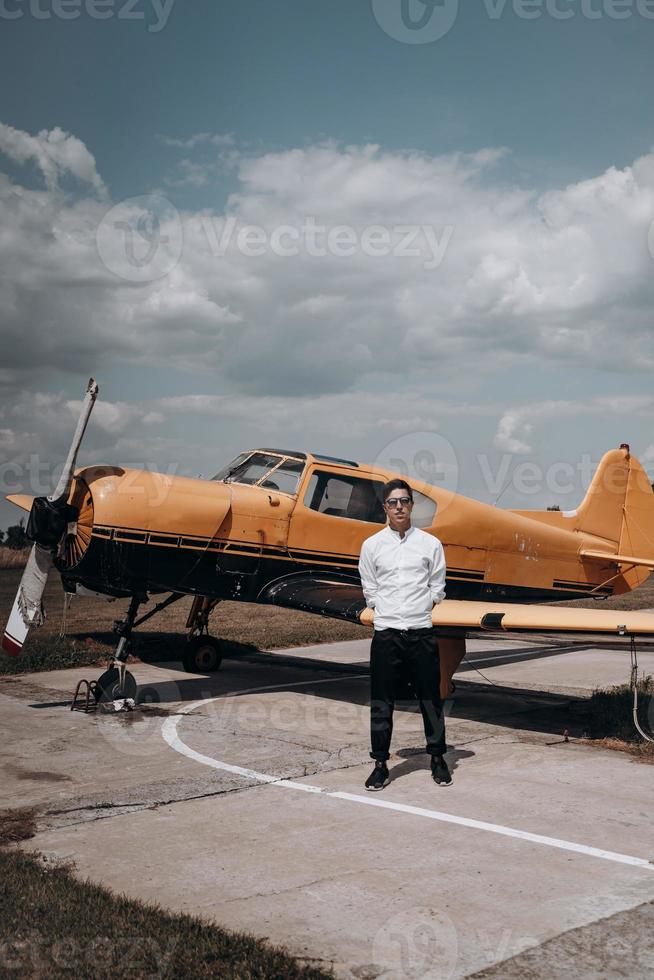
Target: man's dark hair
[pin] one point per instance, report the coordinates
(397, 484)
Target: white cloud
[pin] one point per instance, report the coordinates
(564, 278)
(518, 423)
(55, 153)
(199, 139)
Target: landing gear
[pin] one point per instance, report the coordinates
(117, 682)
(110, 686)
(202, 655)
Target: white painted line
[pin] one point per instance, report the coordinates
(495, 828)
(170, 735)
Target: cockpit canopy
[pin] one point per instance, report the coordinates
(272, 469)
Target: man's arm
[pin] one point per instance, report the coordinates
(368, 577)
(437, 575)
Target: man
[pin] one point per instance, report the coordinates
(402, 572)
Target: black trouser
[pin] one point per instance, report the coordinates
(395, 655)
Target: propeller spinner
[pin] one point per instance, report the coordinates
(47, 526)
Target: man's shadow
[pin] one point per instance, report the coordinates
(415, 759)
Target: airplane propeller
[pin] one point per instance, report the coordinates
(47, 527)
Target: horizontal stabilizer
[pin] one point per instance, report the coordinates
(618, 559)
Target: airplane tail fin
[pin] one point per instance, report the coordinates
(619, 508)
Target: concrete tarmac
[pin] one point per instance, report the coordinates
(240, 797)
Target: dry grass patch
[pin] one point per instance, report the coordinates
(43, 652)
(54, 925)
(611, 722)
(17, 825)
(13, 557)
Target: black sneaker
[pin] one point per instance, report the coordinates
(439, 771)
(378, 778)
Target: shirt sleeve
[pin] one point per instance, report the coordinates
(368, 578)
(437, 575)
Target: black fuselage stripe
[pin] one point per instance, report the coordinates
(257, 551)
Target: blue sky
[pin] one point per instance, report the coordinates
(494, 349)
(568, 97)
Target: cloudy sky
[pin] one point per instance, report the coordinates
(383, 229)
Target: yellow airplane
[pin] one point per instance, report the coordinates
(284, 527)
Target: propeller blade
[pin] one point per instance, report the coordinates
(27, 609)
(65, 480)
(47, 516)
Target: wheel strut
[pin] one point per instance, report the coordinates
(117, 682)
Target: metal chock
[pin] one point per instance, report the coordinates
(86, 697)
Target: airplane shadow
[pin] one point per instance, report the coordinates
(515, 708)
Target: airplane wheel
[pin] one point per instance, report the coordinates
(108, 686)
(148, 695)
(202, 655)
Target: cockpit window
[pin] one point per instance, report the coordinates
(286, 477)
(265, 470)
(252, 469)
(231, 467)
(352, 497)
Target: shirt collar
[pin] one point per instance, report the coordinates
(396, 534)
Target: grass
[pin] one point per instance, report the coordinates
(54, 925)
(17, 825)
(53, 653)
(610, 718)
(13, 557)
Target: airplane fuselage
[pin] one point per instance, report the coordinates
(147, 532)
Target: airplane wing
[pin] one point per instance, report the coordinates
(342, 597)
(22, 500)
(516, 617)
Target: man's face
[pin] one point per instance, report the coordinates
(398, 507)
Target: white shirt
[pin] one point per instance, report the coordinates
(402, 578)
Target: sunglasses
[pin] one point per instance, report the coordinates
(394, 501)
